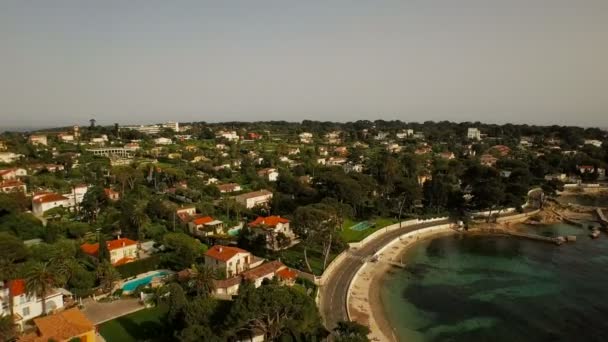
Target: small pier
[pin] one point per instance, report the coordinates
(499, 231)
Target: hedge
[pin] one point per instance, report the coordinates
(139, 266)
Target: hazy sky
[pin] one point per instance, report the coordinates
(532, 61)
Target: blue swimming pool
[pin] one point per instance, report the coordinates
(133, 284)
(234, 231)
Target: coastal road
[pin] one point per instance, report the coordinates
(333, 293)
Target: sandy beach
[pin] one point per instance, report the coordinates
(364, 301)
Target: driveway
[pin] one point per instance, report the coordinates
(99, 312)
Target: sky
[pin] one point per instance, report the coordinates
(521, 61)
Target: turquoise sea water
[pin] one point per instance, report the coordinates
(501, 289)
(133, 284)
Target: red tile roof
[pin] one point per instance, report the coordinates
(224, 253)
(263, 270)
(52, 197)
(270, 221)
(93, 248)
(119, 243)
(202, 220)
(287, 273)
(11, 183)
(61, 326)
(6, 171)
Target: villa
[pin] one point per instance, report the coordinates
(38, 140)
(68, 325)
(270, 174)
(238, 265)
(12, 186)
(271, 226)
(230, 260)
(27, 306)
(122, 250)
(229, 187)
(9, 157)
(14, 173)
(305, 138)
(205, 226)
(253, 199)
(46, 201)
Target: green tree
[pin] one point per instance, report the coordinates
(92, 203)
(203, 280)
(103, 254)
(40, 279)
(8, 329)
(107, 275)
(306, 224)
(183, 250)
(348, 331)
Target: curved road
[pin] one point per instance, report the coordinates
(332, 301)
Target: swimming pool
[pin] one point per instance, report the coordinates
(363, 225)
(131, 285)
(234, 231)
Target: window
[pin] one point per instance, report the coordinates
(26, 311)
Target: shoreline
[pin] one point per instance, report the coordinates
(369, 279)
(364, 302)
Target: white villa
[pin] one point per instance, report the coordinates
(25, 306)
(252, 199)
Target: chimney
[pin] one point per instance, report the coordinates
(220, 249)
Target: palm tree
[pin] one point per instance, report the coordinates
(203, 280)
(39, 280)
(8, 272)
(7, 328)
(107, 275)
(64, 267)
(160, 295)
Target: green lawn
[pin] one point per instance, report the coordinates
(294, 257)
(143, 325)
(350, 235)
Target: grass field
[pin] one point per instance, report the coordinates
(143, 325)
(350, 235)
(294, 257)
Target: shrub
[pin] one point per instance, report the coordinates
(139, 266)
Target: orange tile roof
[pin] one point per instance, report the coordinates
(202, 220)
(224, 253)
(11, 183)
(61, 326)
(287, 273)
(263, 270)
(119, 243)
(93, 248)
(51, 197)
(6, 171)
(270, 221)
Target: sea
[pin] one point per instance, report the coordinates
(489, 288)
